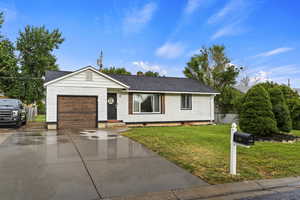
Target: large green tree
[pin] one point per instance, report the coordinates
(213, 68)
(115, 70)
(256, 114)
(9, 76)
(36, 46)
(280, 110)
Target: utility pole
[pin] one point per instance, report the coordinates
(100, 61)
(289, 83)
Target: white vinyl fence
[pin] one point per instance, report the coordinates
(226, 118)
(32, 112)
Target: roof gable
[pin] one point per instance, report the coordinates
(54, 77)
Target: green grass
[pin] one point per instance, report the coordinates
(40, 118)
(204, 151)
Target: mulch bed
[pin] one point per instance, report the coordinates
(278, 137)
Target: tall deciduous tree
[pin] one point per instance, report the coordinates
(151, 73)
(8, 66)
(115, 70)
(213, 68)
(36, 46)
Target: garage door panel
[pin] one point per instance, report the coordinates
(77, 112)
(77, 116)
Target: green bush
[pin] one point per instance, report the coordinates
(256, 115)
(294, 105)
(280, 110)
(41, 108)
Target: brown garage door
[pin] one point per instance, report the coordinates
(76, 112)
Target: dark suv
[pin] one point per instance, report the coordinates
(12, 112)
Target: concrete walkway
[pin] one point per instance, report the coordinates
(66, 165)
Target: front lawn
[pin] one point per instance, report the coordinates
(204, 151)
(40, 118)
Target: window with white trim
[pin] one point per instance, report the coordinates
(186, 102)
(146, 103)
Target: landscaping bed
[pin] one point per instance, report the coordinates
(204, 151)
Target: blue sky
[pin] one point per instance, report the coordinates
(161, 35)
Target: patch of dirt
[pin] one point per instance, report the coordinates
(279, 137)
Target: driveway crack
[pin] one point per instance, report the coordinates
(86, 167)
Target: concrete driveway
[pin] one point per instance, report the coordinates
(66, 165)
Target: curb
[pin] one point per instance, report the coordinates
(221, 191)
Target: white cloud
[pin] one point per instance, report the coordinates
(228, 30)
(192, 5)
(150, 67)
(274, 52)
(170, 50)
(233, 9)
(138, 18)
(259, 77)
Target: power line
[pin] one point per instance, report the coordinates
(5, 77)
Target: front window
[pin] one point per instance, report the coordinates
(146, 103)
(186, 102)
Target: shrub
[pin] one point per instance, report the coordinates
(294, 105)
(41, 107)
(256, 115)
(280, 110)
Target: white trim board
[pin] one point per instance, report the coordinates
(82, 70)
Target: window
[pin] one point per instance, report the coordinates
(186, 102)
(146, 103)
(89, 75)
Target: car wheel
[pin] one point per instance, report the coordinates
(19, 124)
(24, 122)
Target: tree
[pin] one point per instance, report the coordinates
(151, 73)
(35, 46)
(213, 68)
(280, 110)
(294, 105)
(115, 70)
(9, 76)
(9, 80)
(256, 116)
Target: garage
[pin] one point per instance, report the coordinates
(77, 112)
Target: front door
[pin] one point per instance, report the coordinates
(111, 106)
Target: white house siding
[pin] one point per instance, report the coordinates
(202, 109)
(79, 86)
(54, 91)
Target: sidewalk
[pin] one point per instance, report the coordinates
(224, 191)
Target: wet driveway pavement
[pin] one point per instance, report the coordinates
(66, 165)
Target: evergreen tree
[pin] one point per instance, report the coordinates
(294, 105)
(280, 110)
(256, 115)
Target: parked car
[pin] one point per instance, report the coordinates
(12, 112)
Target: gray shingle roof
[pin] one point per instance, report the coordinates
(144, 83)
(51, 75)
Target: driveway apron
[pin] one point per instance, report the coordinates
(67, 165)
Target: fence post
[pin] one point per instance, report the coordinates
(233, 150)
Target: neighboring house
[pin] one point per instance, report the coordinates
(87, 98)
